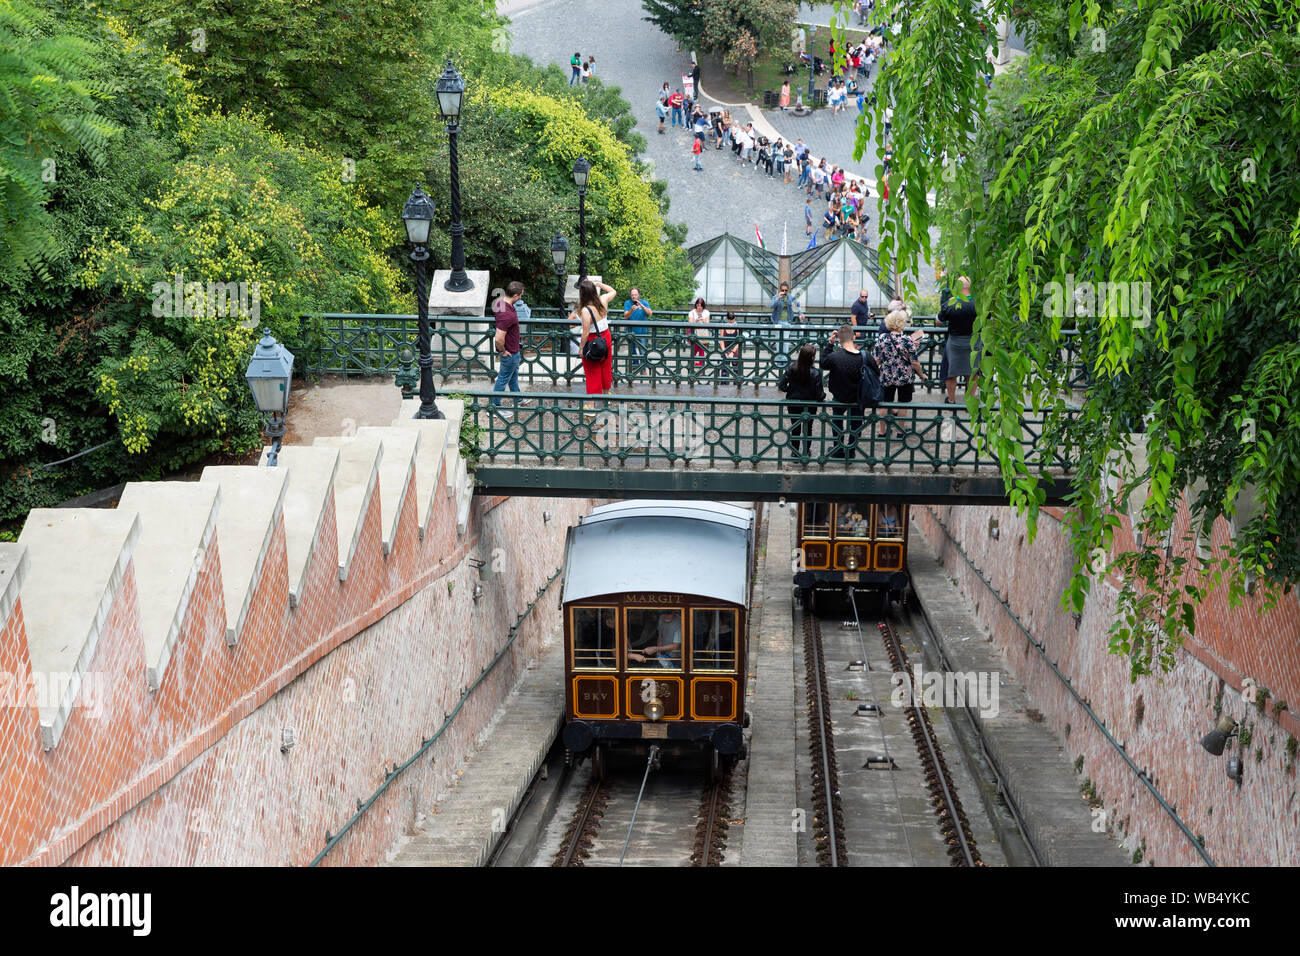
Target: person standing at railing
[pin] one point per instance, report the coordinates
(958, 313)
(897, 358)
(844, 366)
(637, 310)
(596, 345)
(506, 340)
(730, 339)
(801, 381)
(697, 317)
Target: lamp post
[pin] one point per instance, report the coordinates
(417, 216)
(269, 373)
(812, 61)
(581, 169)
(560, 253)
(451, 92)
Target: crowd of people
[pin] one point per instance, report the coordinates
(893, 363)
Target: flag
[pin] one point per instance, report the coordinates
(813, 241)
(760, 237)
(784, 238)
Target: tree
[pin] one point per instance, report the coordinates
(740, 31)
(683, 20)
(625, 226)
(48, 110)
(1155, 149)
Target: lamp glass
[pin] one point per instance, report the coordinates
(451, 92)
(559, 250)
(269, 374)
(581, 168)
(417, 216)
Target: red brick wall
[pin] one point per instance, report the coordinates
(1256, 823)
(361, 670)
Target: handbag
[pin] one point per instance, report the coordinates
(870, 391)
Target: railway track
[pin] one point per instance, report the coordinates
(828, 812)
(952, 820)
(688, 824)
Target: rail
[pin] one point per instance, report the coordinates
(645, 432)
(1041, 648)
(753, 352)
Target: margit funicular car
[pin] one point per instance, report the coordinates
(656, 604)
(851, 544)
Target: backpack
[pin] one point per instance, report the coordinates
(595, 349)
(870, 392)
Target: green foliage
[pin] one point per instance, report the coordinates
(683, 20)
(1157, 145)
(244, 206)
(740, 31)
(625, 228)
(49, 111)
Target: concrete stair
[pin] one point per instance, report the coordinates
(311, 484)
(177, 520)
(454, 409)
(79, 558)
(355, 483)
(428, 462)
(252, 502)
(14, 565)
(69, 564)
(401, 445)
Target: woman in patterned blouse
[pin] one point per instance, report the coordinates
(896, 354)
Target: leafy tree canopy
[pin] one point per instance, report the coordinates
(1154, 147)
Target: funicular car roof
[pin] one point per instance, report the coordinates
(687, 547)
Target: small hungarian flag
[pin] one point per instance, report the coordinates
(760, 237)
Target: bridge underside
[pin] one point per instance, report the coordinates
(767, 485)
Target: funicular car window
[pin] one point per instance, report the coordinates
(654, 638)
(889, 521)
(817, 520)
(595, 638)
(850, 520)
(713, 639)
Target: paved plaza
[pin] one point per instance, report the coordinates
(635, 56)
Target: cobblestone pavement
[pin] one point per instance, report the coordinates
(821, 13)
(635, 56)
(726, 196)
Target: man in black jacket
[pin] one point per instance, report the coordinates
(844, 378)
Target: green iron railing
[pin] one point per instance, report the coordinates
(658, 353)
(624, 431)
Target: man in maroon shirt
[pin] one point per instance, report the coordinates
(507, 340)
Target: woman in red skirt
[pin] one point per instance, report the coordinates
(593, 312)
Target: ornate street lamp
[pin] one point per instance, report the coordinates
(560, 253)
(581, 169)
(451, 93)
(417, 216)
(269, 373)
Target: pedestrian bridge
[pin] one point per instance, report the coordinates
(627, 446)
(706, 421)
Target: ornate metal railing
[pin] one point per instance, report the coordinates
(659, 353)
(621, 431)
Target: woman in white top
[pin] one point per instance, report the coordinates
(697, 317)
